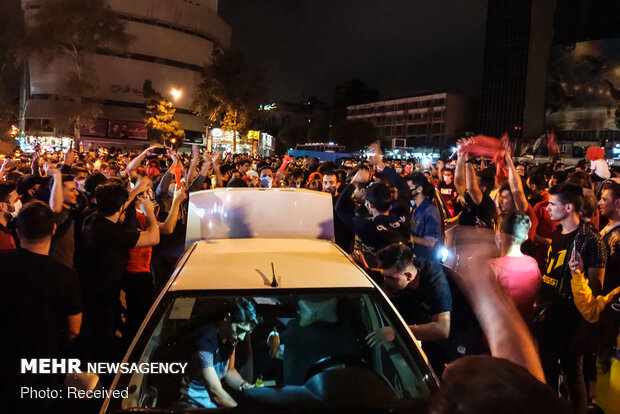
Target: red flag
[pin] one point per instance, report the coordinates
(489, 147)
(552, 144)
(177, 175)
(285, 162)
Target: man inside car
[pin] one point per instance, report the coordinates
(213, 359)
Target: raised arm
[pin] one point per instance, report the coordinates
(516, 186)
(506, 332)
(167, 227)
(56, 198)
(150, 236)
(460, 180)
(133, 165)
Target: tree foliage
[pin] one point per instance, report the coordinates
(230, 92)
(161, 121)
(72, 31)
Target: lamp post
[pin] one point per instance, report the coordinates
(176, 94)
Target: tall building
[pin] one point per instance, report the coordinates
(583, 94)
(353, 92)
(518, 37)
(415, 121)
(171, 42)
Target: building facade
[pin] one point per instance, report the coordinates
(171, 41)
(428, 120)
(519, 34)
(583, 93)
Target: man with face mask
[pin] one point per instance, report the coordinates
(448, 191)
(426, 221)
(389, 220)
(266, 177)
(8, 198)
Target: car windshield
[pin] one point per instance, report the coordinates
(306, 351)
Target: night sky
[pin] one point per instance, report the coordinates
(399, 47)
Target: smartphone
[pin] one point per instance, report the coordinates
(159, 150)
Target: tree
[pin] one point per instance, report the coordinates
(161, 121)
(230, 92)
(355, 135)
(72, 31)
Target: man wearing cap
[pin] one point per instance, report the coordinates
(385, 225)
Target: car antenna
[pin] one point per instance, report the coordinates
(274, 282)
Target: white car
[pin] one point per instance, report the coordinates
(274, 247)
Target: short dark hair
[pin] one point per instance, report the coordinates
(396, 255)
(611, 186)
(560, 176)
(243, 310)
(581, 178)
(380, 196)
(35, 221)
(227, 168)
(236, 183)
(538, 180)
(331, 172)
(92, 182)
(420, 180)
(569, 193)
(297, 173)
(6, 188)
(515, 224)
(485, 384)
(110, 198)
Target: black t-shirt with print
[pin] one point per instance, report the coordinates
(557, 259)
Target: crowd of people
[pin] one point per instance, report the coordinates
(87, 240)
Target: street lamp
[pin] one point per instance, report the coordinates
(176, 94)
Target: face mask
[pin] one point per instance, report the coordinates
(266, 182)
(412, 203)
(399, 170)
(80, 185)
(16, 207)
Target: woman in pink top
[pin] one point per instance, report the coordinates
(517, 272)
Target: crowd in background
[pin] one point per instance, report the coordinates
(89, 238)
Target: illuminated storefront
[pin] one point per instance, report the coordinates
(254, 143)
(47, 143)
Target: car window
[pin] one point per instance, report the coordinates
(306, 349)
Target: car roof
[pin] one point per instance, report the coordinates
(225, 264)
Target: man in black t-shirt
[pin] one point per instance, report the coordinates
(420, 291)
(560, 328)
(107, 241)
(448, 191)
(42, 305)
(418, 288)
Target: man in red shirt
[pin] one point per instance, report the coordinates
(8, 197)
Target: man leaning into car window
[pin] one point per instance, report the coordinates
(214, 357)
(419, 290)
